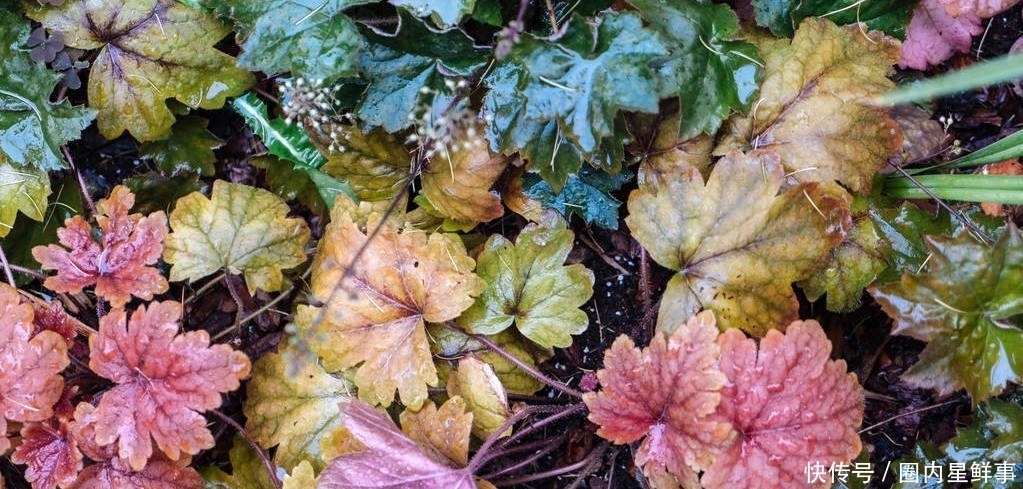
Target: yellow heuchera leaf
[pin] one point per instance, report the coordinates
(374, 310)
(303, 477)
(376, 164)
(240, 228)
(22, 188)
(149, 51)
(444, 430)
(476, 383)
(291, 402)
(814, 107)
(457, 184)
(738, 244)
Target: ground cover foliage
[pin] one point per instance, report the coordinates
(487, 243)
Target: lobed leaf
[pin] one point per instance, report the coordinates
(375, 164)
(587, 193)
(444, 13)
(22, 189)
(443, 432)
(247, 470)
(941, 28)
(164, 382)
(789, 405)
(815, 105)
(239, 228)
(964, 305)
(737, 243)
(32, 129)
(476, 383)
(457, 182)
(851, 267)
(188, 148)
(51, 453)
(374, 310)
(118, 265)
(529, 286)
(149, 51)
(666, 395)
(291, 403)
(29, 365)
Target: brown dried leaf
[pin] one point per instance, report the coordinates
(118, 265)
(442, 432)
(457, 184)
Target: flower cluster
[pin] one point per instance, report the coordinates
(441, 131)
(313, 103)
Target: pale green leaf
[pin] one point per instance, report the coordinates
(21, 189)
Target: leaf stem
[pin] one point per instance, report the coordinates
(587, 464)
(554, 384)
(482, 459)
(7, 268)
(263, 457)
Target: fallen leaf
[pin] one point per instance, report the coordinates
(529, 286)
(291, 403)
(442, 432)
(737, 243)
(963, 304)
(666, 395)
(814, 107)
(374, 310)
(32, 129)
(389, 458)
(164, 381)
(118, 265)
(239, 228)
(790, 406)
(29, 365)
(149, 51)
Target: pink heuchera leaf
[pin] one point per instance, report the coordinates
(390, 458)
(790, 405)
(667, 393)
(51, 453)
(164, 381)
(30, 383)
(117, 265)
(941, 28)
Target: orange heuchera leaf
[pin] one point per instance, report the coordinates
(373, 316)
(164, 381)
(667, 393)
(29, 365)
(390, 459)
(117, 265)
(790, 405)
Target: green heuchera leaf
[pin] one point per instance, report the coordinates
(31, 128)
(444, 13)
(188, 149)
(890, 16)
(291, 403)
(581, 80)
(149, 51)
(402, 65)
(587, 194)
(851, 267)
(64, 202)
(247, 470)
(239, 228)
(291, 184)
(529, 285)
(22, 189)
(309, 38)
(709, 71)
(963, 305)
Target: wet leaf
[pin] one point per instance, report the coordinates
(444, 13)
(291, 403)
(529, 286)
(964, 305)
(478, 385)
(289, 183)
(941, 28)
(32, 129)
(119, 264)
(189, 148)
(781, 16)
(283, 140)
(390, 459)
(29, 365)
(851, 267)
(22, 189)
(709, 71)
(149, 51)
(815, 109)
(309, 38)
(453, 344)
(442, 432)
(666, 395)
(375, 165)
(373, 315)
(737, 243)
(164, 381)
(51, 453)
(586, 193)
(239, 228)
(581, 80)
(458, 184)
(789, 404)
